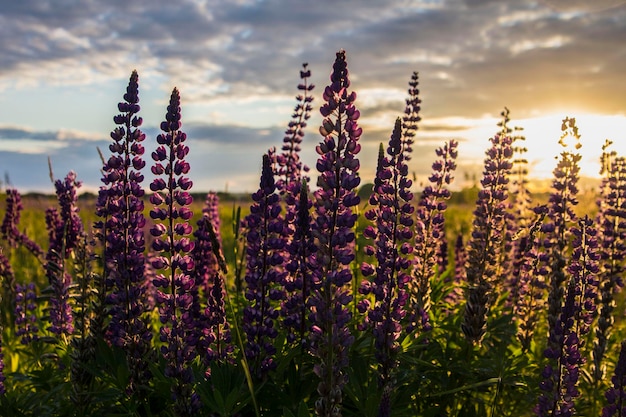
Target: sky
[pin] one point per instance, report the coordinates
(65, 64)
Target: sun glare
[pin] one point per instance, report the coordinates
(543, 133)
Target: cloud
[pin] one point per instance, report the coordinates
(236, 64)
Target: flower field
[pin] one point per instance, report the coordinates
(316, 295)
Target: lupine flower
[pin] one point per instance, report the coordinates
(7, 274)
(611, 218)
(9, 229)
(518, 215)
(561, 216)
(531, 284)
(485, 241)
(391, 214)
(411, 116)
(560, 375)
(266, 242)
(333, 231)
(120, 205)
(290, 179)
(616, 395)
(25, 318)
(429, 230)
(171, 212)
(289, 167)
(213, 331)
(64, 237)
(297, 282)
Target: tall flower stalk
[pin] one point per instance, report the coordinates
(289, 167)
(333, 225)
(120, 207)
(65, 231)
(10, 225)
(560, 218)
(611, 218)
(297, 282)
(264, 275)
(560, 375)
(391, 214)
(429, 230)
(486, 238)
(176, 284)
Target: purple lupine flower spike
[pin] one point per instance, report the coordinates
(429, 231)
(561, 217)
(9, 229)
(531, 283)
(289, 166)
(486, 237)
(264, 274)
(212, 329)
(67, 229)
(611, 218)
(298, 280)
(616, 395)
(560, 375)
(120, 206)
(391, 232)
(175, 282)
(333, 225)
(25, 318)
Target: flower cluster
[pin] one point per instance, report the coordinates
(120, 206)
(531, 283)
(175, 282)
(289, 166)
(297, 283)
(485, 242)
(266, 242)
(561, 217)
(429, 231)
(65, 227)
(611, 218)
(560, 376)
(11, 221)
(333, 225)
(25, 318)
(391, 214)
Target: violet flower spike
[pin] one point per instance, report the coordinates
(289, 166)
(333, 232)
(392, 216)
(120, 206)
(212, 329)
(25, 318)
(486, 237)
(567, 336)
(67, 229)
(10, 225)
(611, 218)
(175, 282)
(429, 231)
(297, 282)
(561, 218)
(264, 273)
